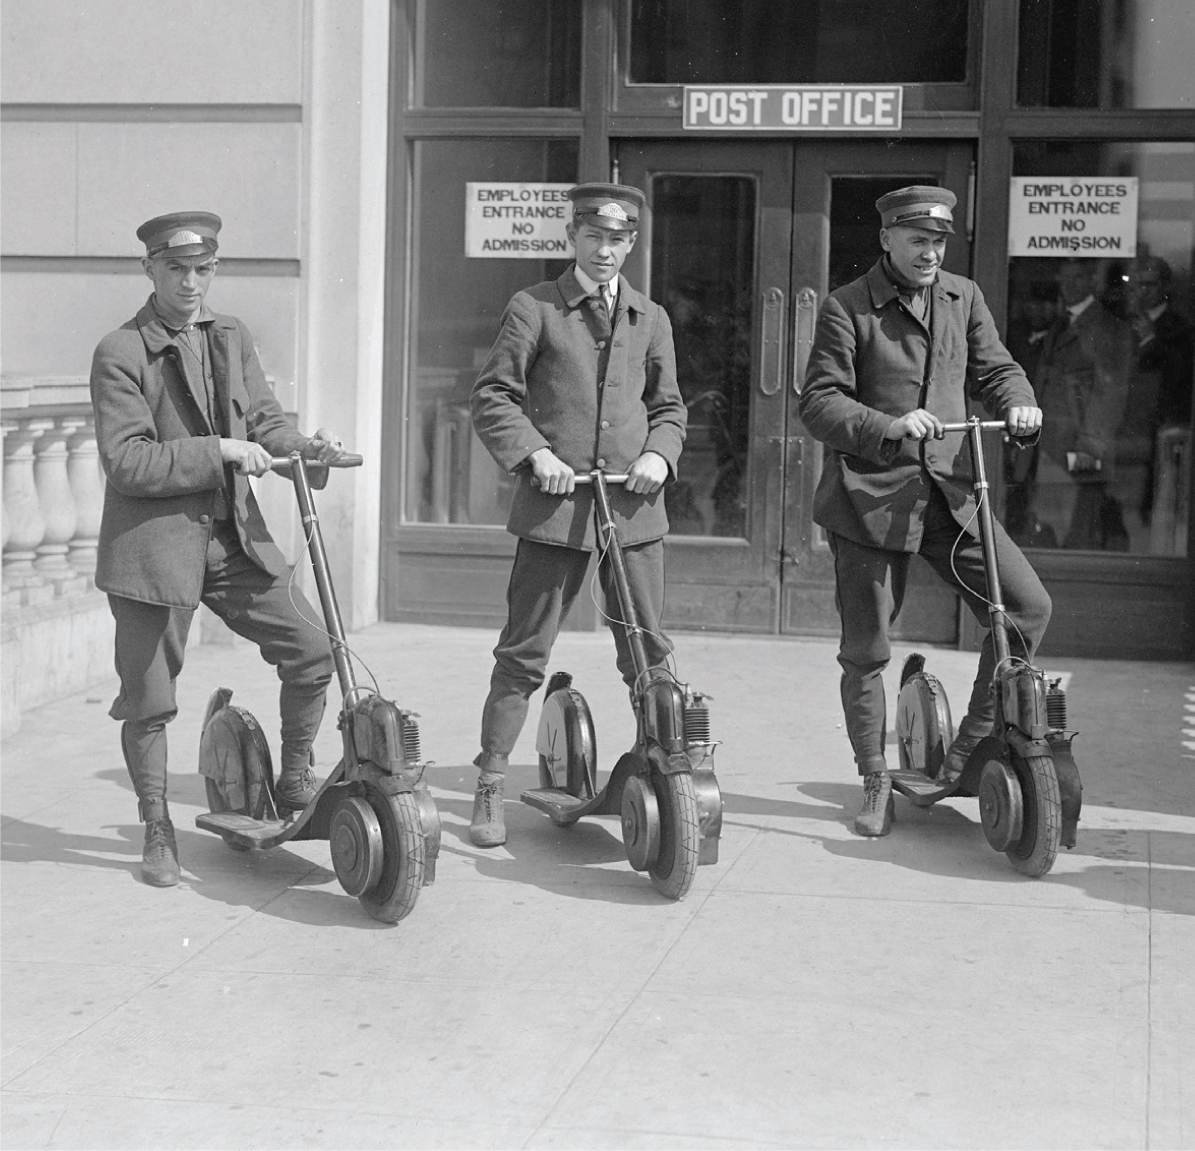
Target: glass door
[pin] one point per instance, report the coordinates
(742, 243)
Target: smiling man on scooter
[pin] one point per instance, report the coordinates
(183, 417)
(582, 376)
(896, 354)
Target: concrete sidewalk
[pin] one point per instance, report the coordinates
(813, 990)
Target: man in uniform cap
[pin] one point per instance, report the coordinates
(896, 354)
(581, 377)
(183, 417)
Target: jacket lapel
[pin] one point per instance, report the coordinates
(158, 341)
(218, 340)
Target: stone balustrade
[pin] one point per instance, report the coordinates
(53, 490)
(57, 630)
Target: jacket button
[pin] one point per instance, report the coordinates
(601, 463)
(601, 343)
(605, 423)
(204, 519)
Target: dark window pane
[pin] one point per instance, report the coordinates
(495, 54)
(854, 225)
(457, 307)
(799, 42)
(1106, 54)
(703, 268)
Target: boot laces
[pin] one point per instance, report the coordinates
(159, 838)
(873, 790)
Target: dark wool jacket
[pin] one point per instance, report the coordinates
(556, 377)
(162, 459)
(873, 361)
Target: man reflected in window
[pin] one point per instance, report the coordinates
(1082, 386)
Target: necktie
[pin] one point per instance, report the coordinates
(608, 300)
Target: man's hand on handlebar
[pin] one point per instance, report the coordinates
(647, 474)
(248, 459)
(325, 446)
(918, 425)
(1023, 421)
(552, 474)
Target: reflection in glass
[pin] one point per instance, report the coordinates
(482, 54)
(703, 268)
(1108, 345)
(456, 312)
(798, 42)
(1106, 54)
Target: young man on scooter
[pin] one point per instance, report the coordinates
(896, 354)
(582, 376)
(183, 417)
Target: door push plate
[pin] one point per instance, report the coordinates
(771, 342)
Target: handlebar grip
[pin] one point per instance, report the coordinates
(617, 478)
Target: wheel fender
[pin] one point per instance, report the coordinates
(709, 814)
(567, 740)
(924, 729)
(1070, 786)
(235, 755)
(663, 715)
(429, 818)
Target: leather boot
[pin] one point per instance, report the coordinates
(877, 810)
(488, 827)
(159, 859)
(970, 732)
(295, 789)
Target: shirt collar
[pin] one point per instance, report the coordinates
(1076, 310)
(902, 286)
(592, 287)
(206, 316)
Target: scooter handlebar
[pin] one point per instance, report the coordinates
(582, 478)
(984, 426)
(280, 465)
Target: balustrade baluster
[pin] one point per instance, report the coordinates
(26, 526)
(87, 484)
(57, 505)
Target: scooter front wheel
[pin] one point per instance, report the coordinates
(680, 834)
(404, 856)
(1034, 852)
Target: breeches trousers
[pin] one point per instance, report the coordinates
(870, 589)
(151, 641)
(544, 584)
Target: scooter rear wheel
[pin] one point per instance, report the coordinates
(680, 834)
(1035, 851)
(404, 856)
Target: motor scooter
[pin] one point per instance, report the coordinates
(664, 789)
(374, 809)
(1024, 773)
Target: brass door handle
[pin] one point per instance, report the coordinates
(771, 346)
(806, 321)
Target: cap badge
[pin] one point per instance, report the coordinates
(181, 238)
(613, 212)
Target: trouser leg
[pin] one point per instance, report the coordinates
(957, 556)
(645, 578)
(275, 615)
(869, 591)
(150, 644)
(544, 583)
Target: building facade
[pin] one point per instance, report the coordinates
(390, 172)
(763, 133)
